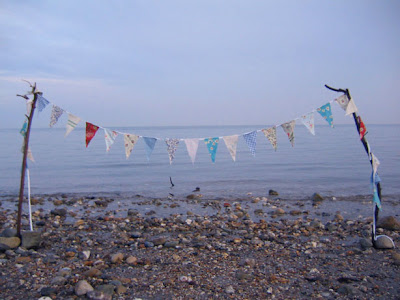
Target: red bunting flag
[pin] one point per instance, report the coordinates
(363, 129)
(90, 132)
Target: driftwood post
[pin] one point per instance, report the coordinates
(25, 155)
(365, 144)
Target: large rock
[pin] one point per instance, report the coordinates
(31, 239)
(12, 242)
(383, 242)
(389, 223)
(82, 288)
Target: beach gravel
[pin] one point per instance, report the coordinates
(97, 252)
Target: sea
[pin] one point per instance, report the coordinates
(331, 163)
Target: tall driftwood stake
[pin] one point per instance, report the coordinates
(25, 148)
(365, 144)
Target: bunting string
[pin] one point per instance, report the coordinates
(192, 144)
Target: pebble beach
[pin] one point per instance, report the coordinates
(256, 247)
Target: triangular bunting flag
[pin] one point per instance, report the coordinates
(30, 155)
(376, 199)
(130, 141)
(308, 121)
(363, 129)
(72, 122)
(192, 145)
(56, 113)
(41, 102)
(351, 107)
(288, 128)
(90, 132)
(375, 164)
(326, 112)
(110, 137)
(172, 146)
(343, 101)
(231, 143)
(251, 141)
(24, 128)
(29, 107)
(270, 134)
(212, 146)
(150, 143)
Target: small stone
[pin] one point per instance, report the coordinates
(79, 223)
(82, 287)
(279, 211)
(317, 197)
(11, 242)
(171, 244)
(229, 290)
(93, 272)
(295, 212)
(9, 232)
(389, 223)
(273, 193)
(85, 255)
(64, 272)
(131, 260)
(4, 247)
(136, 234)
(58, 202)
(159, 241)
(346, 290)
(384, 242)
(48, 291)
(45, 298)
(31, 239)
(117, 258)
(396, 259)
(120, 289)
(365, 243)
(58, 280)
(23, 259)
(62, 212)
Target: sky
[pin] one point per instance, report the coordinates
(183, 63)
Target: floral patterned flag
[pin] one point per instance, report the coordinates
(270, 134)
(326, 112)
(288, 128)
(150, 143)
(41, 102)
(308, 121)
(231, 143)
(251, 141)
(343, 101)
(351, 107)
(72, 122)
(363, 129)
(130, 141)
(56, 113)
(110, 137)
(212, 146)
(90, 132)
(172, 146)
(192, 145)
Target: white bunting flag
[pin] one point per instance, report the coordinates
(231, 143)
(56, 113)
(270, 134)
(375, 163)
(72, 122)
(30, 155)
(343, 101)
(28, 107)
(110, 137)
(351, 107)
(172, 146)
(288, 128)
(130, 141)
(192, 145)
(308, 121)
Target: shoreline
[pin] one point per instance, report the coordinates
(195, 248)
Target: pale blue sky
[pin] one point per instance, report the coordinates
(139, 63)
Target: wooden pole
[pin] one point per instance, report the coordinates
(25, 149)
(365, 144)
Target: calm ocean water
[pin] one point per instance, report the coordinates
(333, 163)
